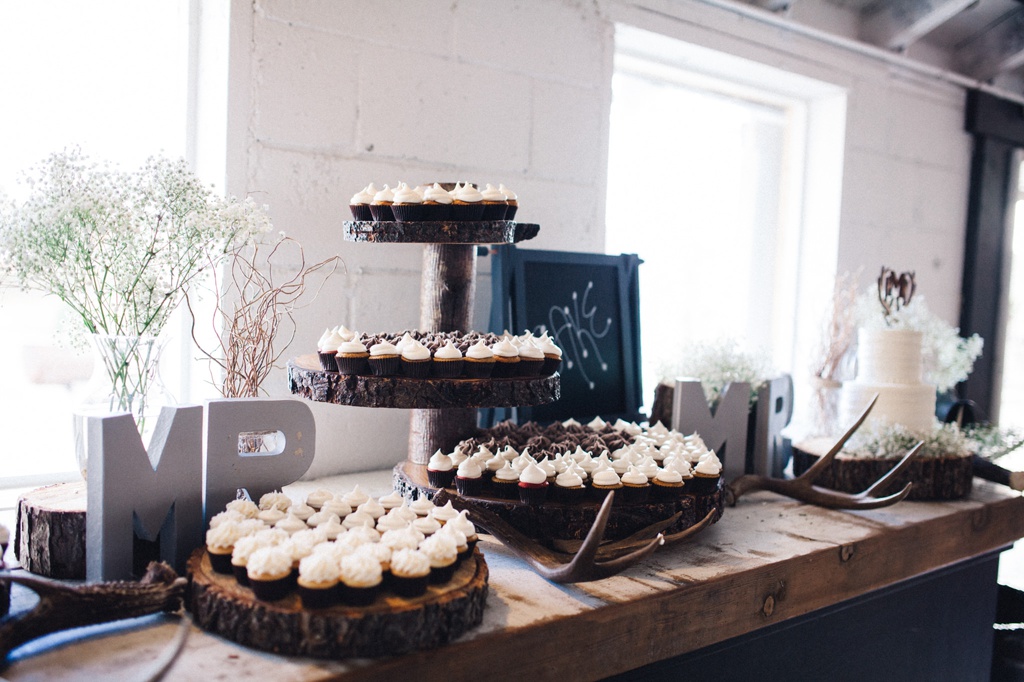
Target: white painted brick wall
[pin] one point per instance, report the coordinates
(344, 92)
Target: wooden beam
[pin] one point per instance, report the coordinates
(895, 24)
(997, 49)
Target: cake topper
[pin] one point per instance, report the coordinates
(895, 291)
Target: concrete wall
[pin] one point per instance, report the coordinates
(327, 95)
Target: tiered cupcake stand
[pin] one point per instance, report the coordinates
(443, 410)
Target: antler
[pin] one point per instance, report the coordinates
(802, 488)
(589, 562)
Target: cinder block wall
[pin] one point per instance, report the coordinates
(331, 94)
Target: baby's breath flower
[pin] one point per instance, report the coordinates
(717, 364)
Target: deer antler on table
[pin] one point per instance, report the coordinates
(62, 607)
(592, 560)
(802, 488)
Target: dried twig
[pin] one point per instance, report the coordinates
(254, 305)
(839, 329)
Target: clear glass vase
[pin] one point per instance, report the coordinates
(125, 378)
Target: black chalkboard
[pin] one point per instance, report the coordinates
(589, 303)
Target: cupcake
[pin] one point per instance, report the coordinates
(410, 572)
(317, 498)
(359, 204)
(271, 516)
(494, 203)
(392, 500)
(383, 359)
(220, 542)
(531, 359)
(382, 555)
(467, 528)
(331, 528)
(479, 361)
(511, 202)
(407, 204)
(506, 359)
(352, 357)
(380, 207)
(440, 471)
(359, 519)
(442, 555)
(447, 361)
(390, 522)
(327, 350)
(247, 508)
(290, 524)
(603, 482)
(467, 203)
(426, 525)
(444, 514)
(422, 506)
(461, 542)
(469, 478)
(337, 506)
(505, 482)
(533, 485)
(319, 578)
(706, 474)
(402, 538)
(437, 203)
(373, 508)
(635, 487)
(269, 570)
(244, 547)
(569, 487)
(552, 355)
(361, 576)
(667, 485)
(415, 359)
(355, 497)
(301, 510)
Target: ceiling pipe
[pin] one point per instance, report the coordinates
(864, 49)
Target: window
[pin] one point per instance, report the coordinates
(1011, 387)
(111, 77)
(716, 164)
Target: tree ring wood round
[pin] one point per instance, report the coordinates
(390, 626)
(440, 232)
(50, 531)
(934, 478)
(554, 521)
(307, 379)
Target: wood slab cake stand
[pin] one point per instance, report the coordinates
(443, 410)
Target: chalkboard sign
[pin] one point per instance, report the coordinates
(589, 304)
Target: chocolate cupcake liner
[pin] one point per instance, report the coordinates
(409, 586)
(384, 365)
(665, 493)
(508, 490)
(635, 494)
(241, 574)
(493, 211)
(569, 495)
(353, 364)
(271, 590)
(467, 212)
(358, 596)
(510, 211)
(599, 493)
(382, 212)
(551, 365)
(417, 369)
(469, 486)
(405, 213)
(503, 369)
(447, 369)
(360, 211)
(439, 212)
(442, 574)
(703, 485)
(529, 367)
(533, 494)
(441, 479)
(319, 598)
(328, 361)
(478, 369)
(221, 563)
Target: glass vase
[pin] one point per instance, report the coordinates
(125, 378)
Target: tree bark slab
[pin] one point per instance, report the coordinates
(934, 478)
(307, 379)
(50, 531)
(440, 232)
(390, 626)
(553, 521)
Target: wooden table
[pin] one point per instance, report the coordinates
(775, 581)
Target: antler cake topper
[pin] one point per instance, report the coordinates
(895, 291)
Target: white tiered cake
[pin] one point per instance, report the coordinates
(889, 364)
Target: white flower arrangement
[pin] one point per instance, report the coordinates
(947, 357)
(891, 441)
(120, 248)
(719, 363)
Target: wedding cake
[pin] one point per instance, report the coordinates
(889, 364)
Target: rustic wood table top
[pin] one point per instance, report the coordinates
(769, 559)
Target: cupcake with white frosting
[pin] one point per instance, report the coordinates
(383, 359)
(415, 359)
(407, 204)
(495, 204)
(437, 203)
(410, 572)
(319, 580)
(479, 361)
(467, 203)
(361, 577)
(440, 470)
(269, 570)
(360, 202)
(353, 357)
(511, 202)
(506, 359)
(447, 361)
(380, 207)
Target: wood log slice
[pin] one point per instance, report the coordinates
(390, 626)
(557, 521)
(934, 478)
(440, 232)
(307, 379)
(50, 531)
